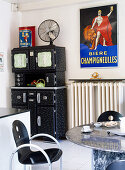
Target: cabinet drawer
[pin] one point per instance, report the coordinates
(32, 94)
(19, 98)
(46, 120)
(45, 98)
(31, 102)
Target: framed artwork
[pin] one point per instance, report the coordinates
(98, 37)
(1, 62)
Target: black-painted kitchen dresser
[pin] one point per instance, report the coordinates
(48, 105)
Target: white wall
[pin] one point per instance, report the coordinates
(68, 17)
(8, 39)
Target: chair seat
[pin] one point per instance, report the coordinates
(38, 158)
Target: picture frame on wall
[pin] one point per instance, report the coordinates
(1, 62)
(98, 37)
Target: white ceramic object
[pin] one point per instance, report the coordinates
(97, 124)
(86, 128)
(86, 131)
(122, 123)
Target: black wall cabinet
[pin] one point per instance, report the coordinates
(47, 105)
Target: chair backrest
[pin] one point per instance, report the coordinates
(21, 137)
(116, 165)
(108, 116)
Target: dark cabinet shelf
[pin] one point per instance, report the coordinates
(52, 79)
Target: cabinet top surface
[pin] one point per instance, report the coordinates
(38, 47)
(5, 112)
(39, 88)
(95, 80)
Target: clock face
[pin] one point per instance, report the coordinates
(48, 30)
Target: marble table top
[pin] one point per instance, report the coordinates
(98, 139)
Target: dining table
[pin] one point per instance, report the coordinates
(106, 145)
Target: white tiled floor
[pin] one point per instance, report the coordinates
(75, 157)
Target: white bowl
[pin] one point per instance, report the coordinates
(97, 124)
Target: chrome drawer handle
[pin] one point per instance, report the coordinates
(39, 121)
(26, 60)
(31, 100)
(38, 97)
(24, 97)
(47, 79)
(31, 93)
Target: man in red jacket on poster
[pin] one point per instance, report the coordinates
(103, 29)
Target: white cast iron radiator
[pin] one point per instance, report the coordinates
(90, 99)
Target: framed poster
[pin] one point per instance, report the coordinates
(98, 37)
(1, 62)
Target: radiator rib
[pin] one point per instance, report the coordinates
(107, 96)
(115, 97)
(80, 103)
(83, 104)
(73, 104)
(76, 106)
(87, 103)
(99, 99)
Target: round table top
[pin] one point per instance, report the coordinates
(98, 139)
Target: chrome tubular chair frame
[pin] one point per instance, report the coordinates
(51, 137)
(32, 146)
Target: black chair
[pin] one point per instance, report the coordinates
(116, 165)
(109, 116)
(27, 156)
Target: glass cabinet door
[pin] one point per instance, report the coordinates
(20, 60)
(45, 59)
